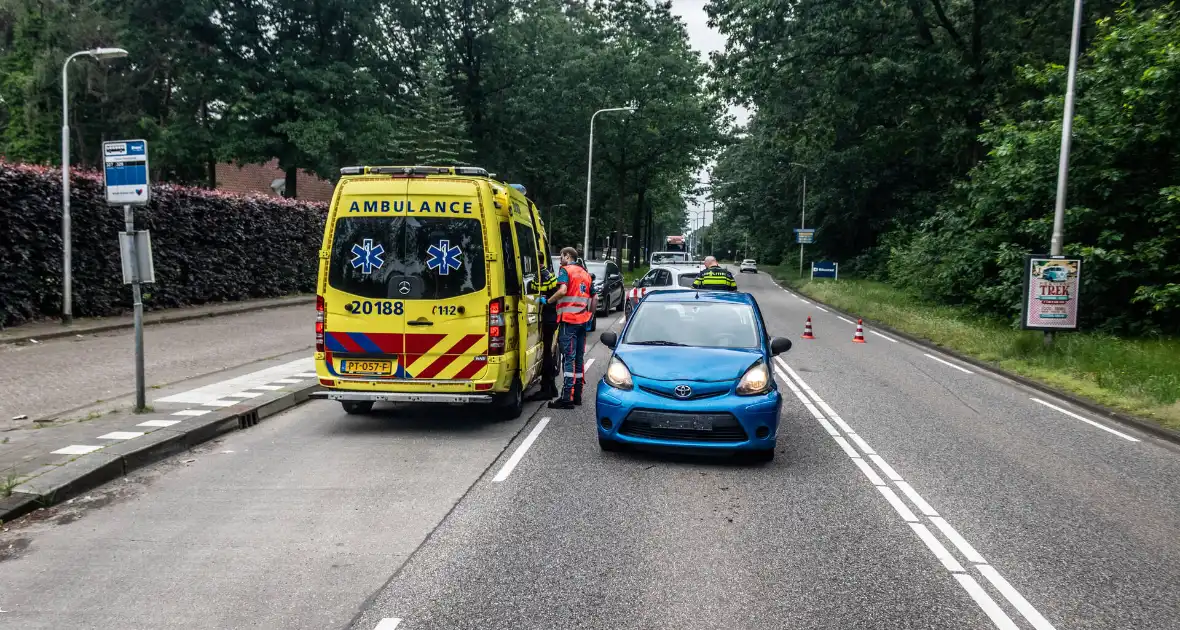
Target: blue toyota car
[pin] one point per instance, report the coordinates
(692, 369)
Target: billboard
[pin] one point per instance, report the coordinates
(804, 235)
(1051, 287)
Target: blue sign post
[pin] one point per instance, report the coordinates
(824, 269)
(125, 173)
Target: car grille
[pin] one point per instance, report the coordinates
(693, 396)
(726, 427)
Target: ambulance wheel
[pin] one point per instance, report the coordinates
(355, 407)
(510, 404)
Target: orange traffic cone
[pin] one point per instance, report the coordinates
(859, 337)
(807, 329)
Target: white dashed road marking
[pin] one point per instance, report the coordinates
(520, 451)
(845, 319)
(216, 391)
(121, 435)
(77, 449)
(388, 623)
(192, 412)
(158, 423)
(1086, 420)
(887, 337)
(952, 564)
(961, 369)
(821, 308)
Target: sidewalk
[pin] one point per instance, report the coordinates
(42, 330)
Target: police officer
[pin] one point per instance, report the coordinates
(573, 311)
(548, 286)
(714, 276)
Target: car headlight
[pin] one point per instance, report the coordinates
(617, 374)
(756, 380)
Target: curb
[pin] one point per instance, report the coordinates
(67, 331)
(1096, 408)
(92, 470)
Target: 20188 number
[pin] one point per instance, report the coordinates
(381, 308)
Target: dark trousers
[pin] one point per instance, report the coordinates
(572, 342)
(549, 362)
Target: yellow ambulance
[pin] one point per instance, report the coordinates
(427, 289)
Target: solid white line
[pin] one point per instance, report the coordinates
(520, 451)
(1013, 596)
(864, 467)
(887, 337)
(895, 501)
(76, 449)
(915, 498)
(885, 468)
(957, 540)
(158, 423)
(848, 450)
(388, 623)
(846, 319)
(586, 365)
(821, 308)
(192, 412)
(984, 601)
(828, 427)
(1086, 420)
(814, 411)
(864, 446)
(964, 370)
(121, 435)
(937, 548)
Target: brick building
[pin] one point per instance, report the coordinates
(269, 179)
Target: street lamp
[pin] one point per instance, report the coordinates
(802, 213)
(1057, 241)
(590, 172)
(67, 309)
(550, 227)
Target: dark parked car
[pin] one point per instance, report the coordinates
(608, 286)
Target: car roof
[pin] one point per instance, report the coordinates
(693, 295)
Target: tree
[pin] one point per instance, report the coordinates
(432, 129)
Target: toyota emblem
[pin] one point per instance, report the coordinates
(404, 287)
(683, 391)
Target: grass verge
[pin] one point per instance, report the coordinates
(1139, 376)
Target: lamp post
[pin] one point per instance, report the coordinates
(67, 306)
(1057, 242)
(549, 226)
(590, 172)
(802, 213)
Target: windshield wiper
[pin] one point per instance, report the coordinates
(656, 342)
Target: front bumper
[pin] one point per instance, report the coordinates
(740, 422)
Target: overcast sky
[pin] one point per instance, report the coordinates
(705, 40)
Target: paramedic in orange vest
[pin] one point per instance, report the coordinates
(573, 311)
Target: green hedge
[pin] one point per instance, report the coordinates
(208, 246)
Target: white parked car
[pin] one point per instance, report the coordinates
(662, 278)
(748, 265)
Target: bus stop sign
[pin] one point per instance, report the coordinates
(125, 172)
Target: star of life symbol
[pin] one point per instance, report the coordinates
(444, 257)
(367, 257)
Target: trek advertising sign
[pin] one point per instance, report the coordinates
(1051, 293)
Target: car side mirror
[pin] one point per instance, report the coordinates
(638, 283)
(779, 345)
(609, 339)
(615, 276)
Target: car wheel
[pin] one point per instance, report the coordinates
(355, 407)
(762, 455)
(609, 446)
(510, 404)
(627, 308)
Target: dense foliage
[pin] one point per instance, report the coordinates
(207, 246)
(509, 85)
(929, 132)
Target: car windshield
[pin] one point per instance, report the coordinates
(667, 258)
(598, 269)
(699, 324)
(747, 262)
(686, 279)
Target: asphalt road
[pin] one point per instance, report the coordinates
(906, 493)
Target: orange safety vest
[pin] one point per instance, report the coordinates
(574, 306)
